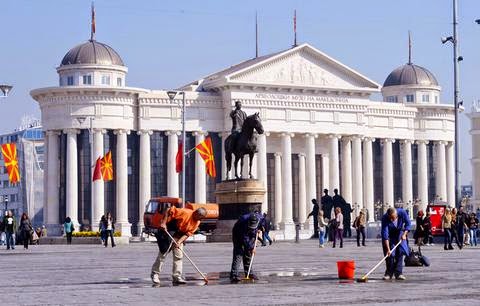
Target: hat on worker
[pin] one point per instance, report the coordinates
(253, 221)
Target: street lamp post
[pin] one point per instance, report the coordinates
(5, 89)
(456, 59)
(171, 96)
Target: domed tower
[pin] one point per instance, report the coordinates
(411, 84)
(92, 64)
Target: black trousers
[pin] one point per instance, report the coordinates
(361, 231)
(394, 264)
(107, 234)
(315, 226)
(69, 238)
(26, 239)
(347, 230)
(240, 254)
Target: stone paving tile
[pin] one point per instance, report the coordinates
(292, 274)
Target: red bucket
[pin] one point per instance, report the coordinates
(346, 269)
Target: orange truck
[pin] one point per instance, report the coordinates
(156, 208)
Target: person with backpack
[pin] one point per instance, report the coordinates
(359, 225)
(68, 228)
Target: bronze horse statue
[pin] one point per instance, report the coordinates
(243, 143)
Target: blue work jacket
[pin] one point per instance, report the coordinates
(393, 232)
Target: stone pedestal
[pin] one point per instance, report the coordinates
(235, 198)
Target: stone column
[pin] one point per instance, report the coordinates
(422, 174)
(450, 173)
(53, 180)
(98, 204)
(368, 192)
(441, 177)
(388, 196)
(346, 191)
(278, 190)
(122, 184)
(407, 182)
(262, 167)
(287, 209)
(302, 191)
(200, 171)
(172, 175)
(357, 172)
(310, 168)
(144, 177)
(333, 167)
(72, 177)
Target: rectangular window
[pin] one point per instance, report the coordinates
(119, 81)
(425, 98)
(436, 99)
(410, 98)
(105, 80)
(392, 99)
(70, 80)
(87, 79)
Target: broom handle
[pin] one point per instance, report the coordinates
(253, 255)
(183, 252)
(383, 259)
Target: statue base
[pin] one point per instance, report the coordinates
(235, 198)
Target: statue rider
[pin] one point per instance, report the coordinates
(238, 117)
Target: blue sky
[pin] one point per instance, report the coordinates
(166, 44)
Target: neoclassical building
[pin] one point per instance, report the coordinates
(323, 129)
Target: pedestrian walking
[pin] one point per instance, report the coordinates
(327, 205)
(26, 230)
(10, 229)
(244, 236)
(418, 235)
(3, 238)
(109, 226)
(102, 228)
(181, 223)
(427, 229)
(322, 228)
(359, 225)
(473, 228)
(265, 227)
(339, 227)
(395, 228)
(314, 213)
(68, 228)
(447, 229)
(461, 225)
(347, 219)
(454, 229)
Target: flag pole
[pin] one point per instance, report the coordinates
(183, 148)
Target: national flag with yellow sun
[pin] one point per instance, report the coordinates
(9, 152)
(205, 150)
(106, 167)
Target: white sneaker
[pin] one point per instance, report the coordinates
(400, 277)
(386, 277)
(321, 246)
(155, 278)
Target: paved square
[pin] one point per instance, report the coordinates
(290, 274)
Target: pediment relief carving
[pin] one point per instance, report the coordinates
(300, 68)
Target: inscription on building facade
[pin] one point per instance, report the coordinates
(272, 96)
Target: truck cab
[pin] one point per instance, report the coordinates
(156, 208)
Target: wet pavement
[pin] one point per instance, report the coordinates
(294, 274)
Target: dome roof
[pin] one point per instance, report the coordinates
(92, 52)
(410, 74)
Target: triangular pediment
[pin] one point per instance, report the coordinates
(302, 66)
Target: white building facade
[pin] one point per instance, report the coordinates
(322, 131)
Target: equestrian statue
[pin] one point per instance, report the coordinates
(243, 139)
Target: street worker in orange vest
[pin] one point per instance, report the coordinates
(181, 223)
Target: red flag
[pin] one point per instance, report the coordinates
(97, 173)
(106, 166)
(178, 159)
(9, 152)
(205, 149)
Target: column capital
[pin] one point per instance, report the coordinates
(421, 141)
(301, 155)
(358, 136)
(71, 131)
(121, 131)
(53, 133)
(169, 133)
(407, 141)
(368, 139)
(103, 131)
(308, 135)
(148, 132)
(200, 133)
(331, 136)
(441, 142)
(390, 140)
(287, 134)
(277, 154)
